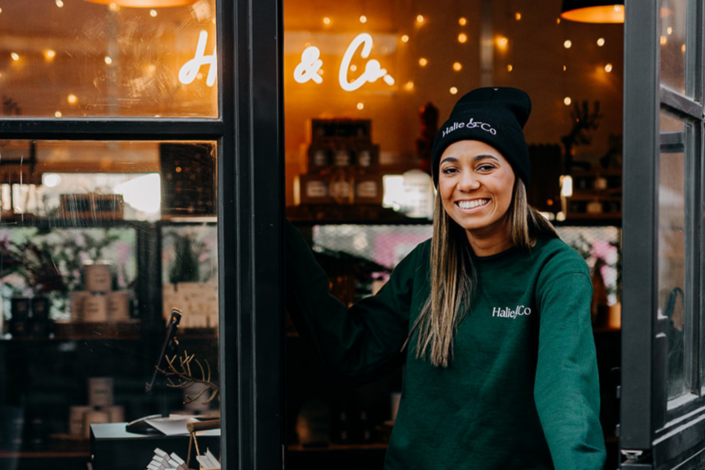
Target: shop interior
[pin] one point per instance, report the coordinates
(101, 239)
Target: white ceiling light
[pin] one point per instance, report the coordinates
(145, 3)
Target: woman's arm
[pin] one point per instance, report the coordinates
(567, 391)
(357, 343)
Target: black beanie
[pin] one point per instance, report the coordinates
(493, 115)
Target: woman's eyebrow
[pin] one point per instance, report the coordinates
(449, 159)
(481, 157)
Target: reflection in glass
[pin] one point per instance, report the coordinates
(97, 240)
(84, 59)
(673, 43)
(672, 246)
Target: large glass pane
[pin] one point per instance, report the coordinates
(76, 58)
(100, 242)
(672, 251)
(674, 15)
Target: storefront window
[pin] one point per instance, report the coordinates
(93, 58)
(100, 243)
(674, 14)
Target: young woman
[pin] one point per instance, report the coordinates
(492, 315)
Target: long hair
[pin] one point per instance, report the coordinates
(453, 275)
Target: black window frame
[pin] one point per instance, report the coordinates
(249, 133)
(651, 435)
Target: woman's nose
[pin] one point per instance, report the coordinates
(468, 182)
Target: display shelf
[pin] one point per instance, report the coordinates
(98, 330)
(44, 454)
(339, 448)
(357, 214)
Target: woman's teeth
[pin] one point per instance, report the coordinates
(472, 204)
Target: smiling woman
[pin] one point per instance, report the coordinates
(494, 305)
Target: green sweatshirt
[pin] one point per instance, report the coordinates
(522, 389)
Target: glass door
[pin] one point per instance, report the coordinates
(663, 405)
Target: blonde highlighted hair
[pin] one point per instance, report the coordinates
(452, 274)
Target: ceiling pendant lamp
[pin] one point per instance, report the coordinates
(145, 3)
(593, 11)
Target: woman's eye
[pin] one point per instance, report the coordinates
(485, 167)
(448, 171)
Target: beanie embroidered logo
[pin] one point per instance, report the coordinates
(509, 313)
(471, 124)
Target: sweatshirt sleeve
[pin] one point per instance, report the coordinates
(566, 390)
(358, 343)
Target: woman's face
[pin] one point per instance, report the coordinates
(476, 184)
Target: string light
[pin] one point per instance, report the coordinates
(462, 21)
(108, 60)
(453, 90)
(151, 68)
(517, 16)
(567, 101)
(457, 66)
(405, 38)
(565, 68)
(49, 54)
(363, 19)
(568, 44)
(669, 30)
(608, 68)
(510, 68)
(114, 7)
(73, 99)
(462, 38)
(326, 20)
(0, 10)
(58, 114)
(423, 62)
(419, 19)
(353, 68)
(15, 56)
(153, 13)
(683, 48)
(360, 106)
(409, 86)
(558, 21)
(502, 42)
(664, 40)
(601, 42)
(59, 3)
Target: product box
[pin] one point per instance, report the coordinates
(340, 129)
(366, 156)
(319, 156)
(369, 189)
(312, 189)
(91, 206)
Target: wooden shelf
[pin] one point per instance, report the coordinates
(338, 447)
(43, 454)
(104, 330)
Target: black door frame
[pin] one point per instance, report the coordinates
(651, 434)
(249, 132)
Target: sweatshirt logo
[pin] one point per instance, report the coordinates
(471, 124)
(509, 313)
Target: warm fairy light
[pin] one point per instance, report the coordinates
(664, 40)
(326, 20)
(108, 60)
(405, 38)
(453, 90)
(151, 68)
(462, 21)
(423, 62)
(153, 13)
(363, 19)
(353, 68)
(49, 54)
(15, 56)
(683, 48)
(510, 68)
(419, 19)
(73, 99)
(601, 42)
(568, 44)
(360, 106)
(502, 42)
(565, 68)
(58, 114)
(199, 76)
(669, 30)
(517, 16)
(409, 86)
(608, 68)
(462, 38)
(59, 3)
(457, 66)
(558, 21)
(320, 71)
(0, 10)
(618, 8)
(567, 101)
(114, 7)
(389, 80)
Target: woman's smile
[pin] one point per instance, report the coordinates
(470, 206)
